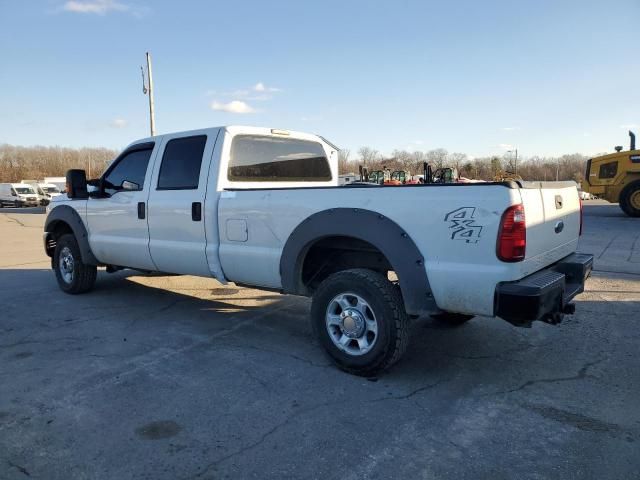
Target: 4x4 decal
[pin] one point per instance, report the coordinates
(463, 225)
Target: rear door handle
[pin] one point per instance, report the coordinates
(141, 210)
(196, 211)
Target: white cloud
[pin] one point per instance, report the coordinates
(510, 129)
(629, 126)
(98, 7)
(118, 123)
(258, 93)
(261, 87)
(235, 106)
(505, 146)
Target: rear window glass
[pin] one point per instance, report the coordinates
(180, 169)
(608, 170)
(257, 158)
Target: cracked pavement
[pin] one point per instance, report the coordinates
(154, 377)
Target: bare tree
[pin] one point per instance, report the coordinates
(368, 156)
(343, 161)
(457, 159)
(437, 158)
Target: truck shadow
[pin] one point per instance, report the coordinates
(180, 312)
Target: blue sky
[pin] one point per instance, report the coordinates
(549, 77)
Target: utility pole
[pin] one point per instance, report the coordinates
(147, 89)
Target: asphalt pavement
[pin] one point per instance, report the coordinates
(169, 377)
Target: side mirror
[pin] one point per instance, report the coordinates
(127, 185)
(77, 184)
(13, 193)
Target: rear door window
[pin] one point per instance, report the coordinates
(181, 162)
(256, 158)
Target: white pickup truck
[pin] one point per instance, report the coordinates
(262, 207)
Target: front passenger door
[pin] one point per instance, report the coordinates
(117, 221)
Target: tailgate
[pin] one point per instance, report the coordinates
(552, 212)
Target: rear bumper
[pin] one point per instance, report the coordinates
(546, 294)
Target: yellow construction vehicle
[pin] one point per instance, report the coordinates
(616, 178)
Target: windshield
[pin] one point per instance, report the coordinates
(24, 190)
(51, 189)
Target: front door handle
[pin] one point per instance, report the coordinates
(141, 210)
(196, 211)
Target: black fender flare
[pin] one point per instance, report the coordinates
(372, 227)
(66, 214)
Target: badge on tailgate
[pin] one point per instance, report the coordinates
(463, 225)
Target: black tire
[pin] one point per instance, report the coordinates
(82, 277)
(384, 304)
(452, 319)
(626, 203)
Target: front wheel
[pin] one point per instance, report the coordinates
(72, 274)
(630, 199)
(359, 318)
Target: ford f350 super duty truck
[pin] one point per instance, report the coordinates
(262, 207)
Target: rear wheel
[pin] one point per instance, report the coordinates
(359, 318)
(630, 199)
(72, 274)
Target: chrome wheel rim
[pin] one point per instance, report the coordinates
(66, 263)
(351, 324)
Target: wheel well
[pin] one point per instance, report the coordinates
(54, 232)
(333, 254)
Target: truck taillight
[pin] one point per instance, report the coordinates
(580, 216)
(512, 235)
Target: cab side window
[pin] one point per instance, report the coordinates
(132, 167)
(181, 162)
(608, 170)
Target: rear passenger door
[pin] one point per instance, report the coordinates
(177, 239)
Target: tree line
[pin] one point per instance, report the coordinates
(34, 163)
(565, 167)
(18, 163)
